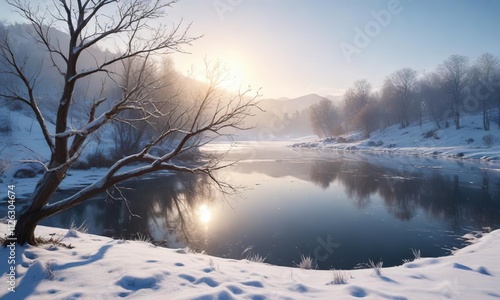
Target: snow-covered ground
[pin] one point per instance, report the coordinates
(469, 142)
(98, 267)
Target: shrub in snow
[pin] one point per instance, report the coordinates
(81, 165)
(340, 277)
(375, 144)
(429, 134)
(213, 266)
(5, 128)
(139, 237)
(377, 267)
(416, 253)
(486, 229)
(249, 255)
(99, 159)
(488, 140)
(48, 270)
(83, 228)
(256, 258)
(25, 173)
(5, 124)
(307, 262)
(29, 170)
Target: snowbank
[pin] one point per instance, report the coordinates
(102, 268)
(469, 142)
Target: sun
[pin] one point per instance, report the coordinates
(238, 69)
(236, 73)
(204, 214)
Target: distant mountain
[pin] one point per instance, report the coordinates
(290, 105)
(283, 118)
(335, 99)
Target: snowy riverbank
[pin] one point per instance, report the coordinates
(469, 142)
(98, 267)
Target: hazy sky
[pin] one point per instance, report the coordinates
(296, 47)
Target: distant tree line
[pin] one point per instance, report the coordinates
(457, 87)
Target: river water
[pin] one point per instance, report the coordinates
(341, 209)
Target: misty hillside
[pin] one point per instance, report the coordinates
(283, 118)
(46, 70)
(286, 105)
(280, 119)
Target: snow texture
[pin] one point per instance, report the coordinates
(102, 268)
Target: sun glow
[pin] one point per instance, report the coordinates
(238, 72)
(204, 213)
(234, 70)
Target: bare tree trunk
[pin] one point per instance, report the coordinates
(32, 214)
(25, 227)
(437, 123)
(498, 112)
(486, 119)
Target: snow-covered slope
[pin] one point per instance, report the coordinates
(102, 268)
(469, 142)
(24, 146)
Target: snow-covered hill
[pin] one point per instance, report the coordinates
(469, 142)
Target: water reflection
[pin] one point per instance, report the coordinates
(405, 192)
(168, 209)
(289, 204)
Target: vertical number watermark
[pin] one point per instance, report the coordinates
(11, 239)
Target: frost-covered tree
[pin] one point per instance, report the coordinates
(432, 93)
(133, 26)
(355, 99)
(402, 84)
(456, 74)
(483, 75)
(324, 118)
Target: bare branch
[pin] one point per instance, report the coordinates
(162, 128)
(18, 70)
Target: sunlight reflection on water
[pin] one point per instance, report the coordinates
(306, 202)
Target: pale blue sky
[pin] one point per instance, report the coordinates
(293, 47)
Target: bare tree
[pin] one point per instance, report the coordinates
(403, 84)
(455, 72)
(483, 73)
(495, 85)
(432, 93)
(323, 117)
(88, 24)
(369, 118)
(356, 98)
